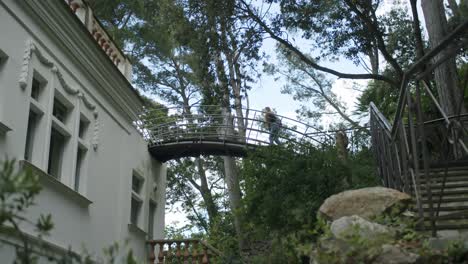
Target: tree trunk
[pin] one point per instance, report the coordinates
(446, 78)
(205, 192)
(203, 188)
(232, 182)
(342, 148)
(417, 30)
(230, 170)
(373, 55)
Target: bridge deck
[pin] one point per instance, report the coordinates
(195, 147)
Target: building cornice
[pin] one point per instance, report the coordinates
(68, 32)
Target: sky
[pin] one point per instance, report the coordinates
(267, 91)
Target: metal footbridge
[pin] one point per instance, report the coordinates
(176, 132)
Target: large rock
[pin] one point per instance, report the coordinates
(352, 225)
(395, 255)
(366, 202)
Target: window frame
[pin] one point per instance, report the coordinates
(137, 198)
(52, 152)
(151, 217)
(31, 135)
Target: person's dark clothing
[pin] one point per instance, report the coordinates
(273, 125)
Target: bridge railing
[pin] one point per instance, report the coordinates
(208, 123)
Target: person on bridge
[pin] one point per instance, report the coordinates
(273, 125)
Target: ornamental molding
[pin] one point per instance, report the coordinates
(23, 80)
(31, 48)
(64, 84)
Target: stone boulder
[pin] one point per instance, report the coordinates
(392, 254)
(365, 202)
(347, 225)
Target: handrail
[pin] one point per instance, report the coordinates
(159, 128)
(232, 108)
(381, 117)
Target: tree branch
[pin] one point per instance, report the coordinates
(309, 61)
(378, 36)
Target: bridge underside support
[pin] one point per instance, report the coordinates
(195, 148)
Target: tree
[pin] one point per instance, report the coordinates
(446, 77)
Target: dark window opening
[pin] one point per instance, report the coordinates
(152, 213)
(135, 211)
(137, 182)
(57, 146)
(79, 168)
(83, 128)
(60, 111)
(36, 89)
(30, 135)
(3, 57)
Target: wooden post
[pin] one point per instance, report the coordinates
(194, 252)
(152, 257)
(205, 259)
(186, 251)
(161, 253)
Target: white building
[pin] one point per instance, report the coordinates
(66, 110)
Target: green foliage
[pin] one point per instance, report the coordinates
(362, 167)
(285, 186)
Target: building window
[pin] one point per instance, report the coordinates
(136, 199)
(80, 156)
(33, 121)
(35, 89)
(83, 128)
(56, 150)
(151, 217)
(37, 86)
(60, 111)
(135, 211)
(137, 182)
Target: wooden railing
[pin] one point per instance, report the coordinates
(192, 251)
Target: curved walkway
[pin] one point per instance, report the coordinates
(173, 134)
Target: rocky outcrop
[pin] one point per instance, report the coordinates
(392, 254)
(362, 227)
(366, 202)
(356, 225)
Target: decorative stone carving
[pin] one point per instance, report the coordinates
(64, 84)
(86, 102)
(23, 80)
(96, 131)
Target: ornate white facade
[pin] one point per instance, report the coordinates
(66, 111)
